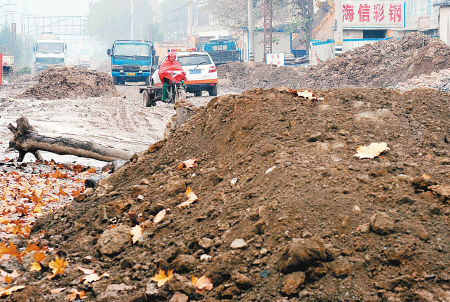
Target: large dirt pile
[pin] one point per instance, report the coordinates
(62, 82)
(382, 64)
(285, 210)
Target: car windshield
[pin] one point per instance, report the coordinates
(50, 47)
(194, 60)
(131, 50)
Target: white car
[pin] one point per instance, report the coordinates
(201, 73)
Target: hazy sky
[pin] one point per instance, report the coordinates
(46, 7)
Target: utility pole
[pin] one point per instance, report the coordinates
(250, 31)
(338, 35)
(267, 28)
(190, 23)
(131, 20)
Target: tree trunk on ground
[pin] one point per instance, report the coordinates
(26, 139)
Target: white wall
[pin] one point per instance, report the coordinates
(283, 44)
(444, 24)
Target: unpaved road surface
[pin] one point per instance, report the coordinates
(118, 122)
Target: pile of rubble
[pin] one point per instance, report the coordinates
(62, 82)
(436, 80)
(382, 64)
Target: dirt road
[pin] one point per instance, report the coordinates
(118, 122)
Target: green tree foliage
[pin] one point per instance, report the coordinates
(110, 20)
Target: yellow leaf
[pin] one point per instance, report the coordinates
(8, 279)
(371, 151)
(58, 267)
(162, 278)
(201, 283)
(191, 198)
(35, 266)
(136, 232)
(75, 293)
(39, 256)
(8, 291)
(160, 216)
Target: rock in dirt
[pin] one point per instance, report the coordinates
(381, 223)
(301, 254)
(293, 283)
(113, 241)
(238, 244)
(179, 297)
(73, 82)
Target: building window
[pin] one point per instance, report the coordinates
(374, 34)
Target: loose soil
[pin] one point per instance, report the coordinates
(382, 64)
(61, 82)
(285, 211)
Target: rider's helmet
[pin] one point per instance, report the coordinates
(171, 56)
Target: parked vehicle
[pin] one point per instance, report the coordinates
(85, 60)
(48, 51)
(201, 72)
(222, 50)
(132, 61)
(8, 64)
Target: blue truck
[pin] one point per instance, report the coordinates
(132, 61)
(222, 51)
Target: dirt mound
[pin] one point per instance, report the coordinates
(382, 64)
(284, 209)
(62, 82)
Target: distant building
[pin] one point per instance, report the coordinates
(444, 21)
(376, 19)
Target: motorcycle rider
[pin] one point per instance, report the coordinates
(170, 72)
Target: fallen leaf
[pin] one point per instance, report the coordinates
(76, 294)
(190, 163)
(7, 291)
(39, 256)
(57, 290)
(93, 277)
(136, 232)
(160, 216)
(425, 176)
(58, 267)
(86, 270)
(191, 198)
(8, 279)
(35, 266)
(371, 151)
(162, 278)
(201, 283)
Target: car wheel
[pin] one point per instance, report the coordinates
(198, 93)
(147, 81)
(213, 91)
(115, 80)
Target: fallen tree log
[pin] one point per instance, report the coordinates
(26, 139)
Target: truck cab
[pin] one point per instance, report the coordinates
(222, 51)
(48, 51)
(132, 61)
